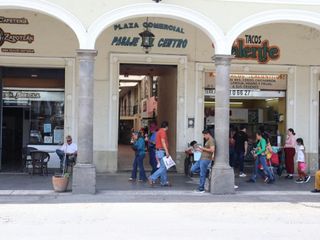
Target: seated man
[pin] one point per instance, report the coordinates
(317, 183)
(68, 149)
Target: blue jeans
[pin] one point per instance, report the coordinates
(201, 165)
(261, 159)
(138, 162)
(61, 155)
(162, 170)
(152, 159)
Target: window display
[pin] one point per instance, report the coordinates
(46, 122)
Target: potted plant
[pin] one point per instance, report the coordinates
(60, 181)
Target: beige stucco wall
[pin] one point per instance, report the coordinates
(298, 44)
(224, 13)
(52, 38)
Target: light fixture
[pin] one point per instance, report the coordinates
(157, 1)
(147, 38)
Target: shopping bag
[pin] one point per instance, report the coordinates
(168, 162)
(197, 155)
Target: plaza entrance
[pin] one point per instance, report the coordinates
(147, 93)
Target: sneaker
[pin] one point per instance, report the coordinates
(199, 190)
(307, 179)
(300, 180)
(250, 181)
(242, 174)
(315, 191)
(266, 180)
(131, 179)
(167, 184)
(289, 176)
(236, 187)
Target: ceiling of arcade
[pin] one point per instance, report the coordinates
(27, 33)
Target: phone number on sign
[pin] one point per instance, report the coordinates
(240, 92)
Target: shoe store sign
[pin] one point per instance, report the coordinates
(254, 47)
(132, 41)
(15, 37)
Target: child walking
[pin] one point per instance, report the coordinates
(301, 160)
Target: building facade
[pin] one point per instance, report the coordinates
(217, 63)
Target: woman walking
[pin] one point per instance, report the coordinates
(290, 151)
(139, 148)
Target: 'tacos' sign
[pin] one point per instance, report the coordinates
(253, 48)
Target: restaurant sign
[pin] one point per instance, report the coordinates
(29, 95)
(251, 81)
(5, 20)
(253, 47)
(247, 93)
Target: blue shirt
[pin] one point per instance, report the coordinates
(152, 139)
(139, 146)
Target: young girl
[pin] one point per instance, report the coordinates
(303, 177)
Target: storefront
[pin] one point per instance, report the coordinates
(90, 47)
(257, 101)
(32, 113)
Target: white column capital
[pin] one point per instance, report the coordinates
(220, 59)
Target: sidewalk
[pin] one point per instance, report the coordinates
(118, 185)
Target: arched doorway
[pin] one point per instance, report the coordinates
(38, 83)
(122, 38)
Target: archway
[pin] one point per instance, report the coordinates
(53, 10)
(160, 10)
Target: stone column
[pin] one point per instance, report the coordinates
(222, 176)
(84, 172)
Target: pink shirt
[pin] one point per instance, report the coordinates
(290, 142)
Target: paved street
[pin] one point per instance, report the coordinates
(157, 217)
(282, 211)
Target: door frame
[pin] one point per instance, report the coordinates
(114, 67)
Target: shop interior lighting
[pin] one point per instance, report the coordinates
(131, 77)
(231, 103)
(128, 84)
(271, 99)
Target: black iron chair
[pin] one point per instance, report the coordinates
(26, 158)
(40, 161)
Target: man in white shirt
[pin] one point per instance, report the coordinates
(68, 149)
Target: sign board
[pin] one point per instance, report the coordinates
(247, 93)
(30, 95)
(250, 81)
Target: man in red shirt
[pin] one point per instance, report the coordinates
(162, 149)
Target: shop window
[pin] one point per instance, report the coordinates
(46, 122)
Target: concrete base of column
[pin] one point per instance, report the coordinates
(84, 179)
(222, 180)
